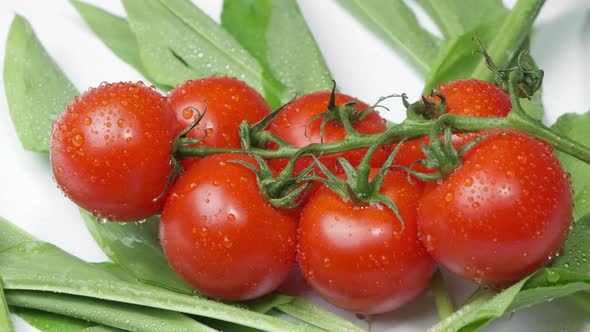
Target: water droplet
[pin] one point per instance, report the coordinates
(468, 182)
(552, 276)
(449, 197)
(327, 262)
(88, 121)
(209, 132)
(204, 231)
(187, 113)
(78, 140)
(102, 220)
(121, 123)
(227, 242)
(231, 217)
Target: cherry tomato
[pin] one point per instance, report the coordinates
(110, 150)
(469, 97)
(228, 102)
(356, 256)
(294, 126)
(221, 235)
(502, 214)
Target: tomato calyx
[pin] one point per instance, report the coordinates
(283, 191)
(524, 78)
(357, 185)
(426, 108)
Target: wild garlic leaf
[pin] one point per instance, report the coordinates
(276, 34)
(39, 266)
(454, 18)
(135, 247)
(114, 314)
(48, 322)
(178, 42)
(576, 127)
(543, 285)
(115, 32)
(5, 321)
(397, 25)
(36, 89)
(458, 58)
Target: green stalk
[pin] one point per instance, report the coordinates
(442, 298)
(510, 36)
(5, 321)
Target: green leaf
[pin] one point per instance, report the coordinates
(178, 42)
(135, 247)
(576, 250)
(397, 25)
(576, 127)
(115, 32)
(115, 314)
(454, 18)
(36, 89)
(309, 312)
(458, 59)
(544, 285)
(35, 265)
(5, 321)
(276, 34)
(48, 322)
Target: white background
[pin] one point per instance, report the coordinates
(361, 64)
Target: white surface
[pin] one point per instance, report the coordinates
(361, 64)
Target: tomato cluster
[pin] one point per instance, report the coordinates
(496, 218)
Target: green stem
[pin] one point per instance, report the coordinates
(5, 321)
(411, 129)
(442, 298)
(510, 36)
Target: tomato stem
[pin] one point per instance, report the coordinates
(442, 298)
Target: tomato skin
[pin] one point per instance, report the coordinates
(502, 214)
(228, 101)
(221, 235)
(293, 125)
(110, 150)
(356, 256)
(473, 97)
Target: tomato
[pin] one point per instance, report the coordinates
(469, 97)
(110, 150)
(502, 214)
(221, 235)
(294, 126)
(228, 101)
(356, 256)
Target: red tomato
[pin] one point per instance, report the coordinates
(228, 101)
(221, 235)
(293, 125)
(110, 150)
(356, 256)
(502, 214)
(470, 97)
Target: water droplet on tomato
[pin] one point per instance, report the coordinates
(102, 220)
(78, 140)
(187, 113)
(204, 231)
(227, 242)
(231, 217)
(209, 132)
(468, 182)
(87, 120)
(121, 123)
(327, 262)
(124, 103)
(449, 197)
